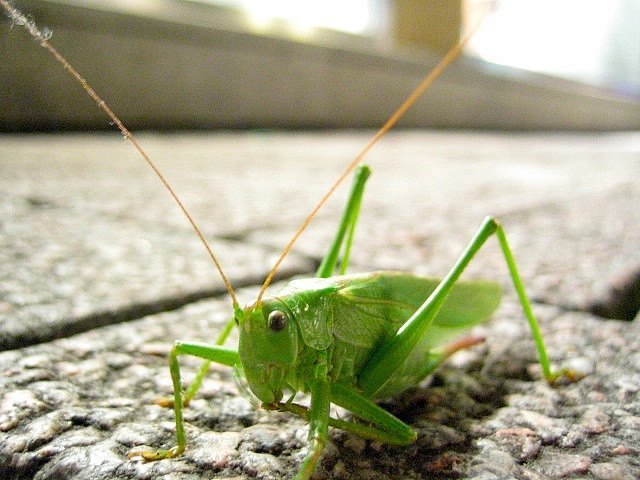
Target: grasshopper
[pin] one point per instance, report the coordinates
(345, 339)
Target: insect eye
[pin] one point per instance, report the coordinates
(277, 321)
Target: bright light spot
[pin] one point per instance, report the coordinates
(562, 37)
(260, 16)
(349, 16)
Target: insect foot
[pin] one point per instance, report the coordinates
(165, 402)
(153, 455)
(565, 376)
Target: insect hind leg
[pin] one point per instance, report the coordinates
(388, 357)
(551, 376)
(346, 228)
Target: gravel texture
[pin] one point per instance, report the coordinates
(86, 230)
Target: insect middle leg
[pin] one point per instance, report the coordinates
(381, 425)
(387, 359)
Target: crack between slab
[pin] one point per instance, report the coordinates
(619, 305)
(622, 303)
(73, 326)
(623, 299)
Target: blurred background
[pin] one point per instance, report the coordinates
(235, 64)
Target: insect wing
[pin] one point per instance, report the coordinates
(371, 308)
(378, 304)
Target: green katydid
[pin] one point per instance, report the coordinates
(353, 339)
(347, 339)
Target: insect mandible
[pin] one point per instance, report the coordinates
(309, 337)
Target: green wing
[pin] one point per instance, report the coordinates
(370, 307)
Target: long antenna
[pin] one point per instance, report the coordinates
(43, 37)
(393, 119)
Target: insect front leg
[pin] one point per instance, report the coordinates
(318, 427)
(387, 359)
(194, 386)
(211, 353)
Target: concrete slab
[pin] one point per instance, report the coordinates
(78, 243)
(85, 228)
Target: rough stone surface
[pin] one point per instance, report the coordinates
(82, 232)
